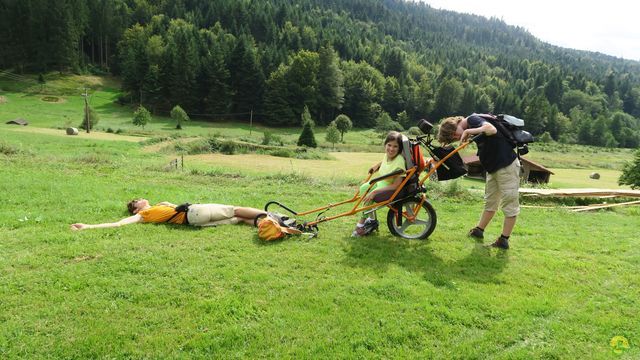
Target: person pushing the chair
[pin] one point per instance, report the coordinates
(503, 171)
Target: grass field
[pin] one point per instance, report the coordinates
(565, 289)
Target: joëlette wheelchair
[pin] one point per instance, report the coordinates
(410, 215)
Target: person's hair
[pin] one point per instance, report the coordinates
(131, 206)
(447, 129)
(394, 136)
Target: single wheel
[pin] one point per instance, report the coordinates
(419, 228)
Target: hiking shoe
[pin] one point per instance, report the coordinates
(476, 233)
(501, 243)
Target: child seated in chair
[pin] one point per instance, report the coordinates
(391, 162)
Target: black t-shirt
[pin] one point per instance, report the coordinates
(494, 151)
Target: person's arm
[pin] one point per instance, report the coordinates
(126, 221)
(486, 128)
(166, 203)
(375, 167)
(394, 185)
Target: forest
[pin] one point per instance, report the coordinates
(384, 64)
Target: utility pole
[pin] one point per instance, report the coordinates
(86, 110)
(250, 122)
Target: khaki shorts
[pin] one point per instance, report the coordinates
(211, 214)
(501, 189)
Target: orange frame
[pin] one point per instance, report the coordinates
(433, 166)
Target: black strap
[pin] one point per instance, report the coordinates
(182, 208)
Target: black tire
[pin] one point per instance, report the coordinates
(420, 229)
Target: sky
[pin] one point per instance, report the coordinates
(611, 27)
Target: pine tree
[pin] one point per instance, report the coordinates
(631, 173)
(247, 80)
(306, 117)
(307, 138)
(133, 60)
(215, 79)
(330, 84)
(151, 92)
(484, 105)
(424, 99)
(277, 107)
(468, 102)
(183, 63)
(392, 101)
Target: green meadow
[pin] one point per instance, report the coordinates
(566, 287)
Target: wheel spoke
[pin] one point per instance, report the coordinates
(415, 222)
(422, 222)
(409, 208)
(405, 225)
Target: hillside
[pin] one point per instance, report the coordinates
(382, 63)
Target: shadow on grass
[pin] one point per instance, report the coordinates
(481, 265)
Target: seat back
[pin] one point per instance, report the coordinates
(406, 152)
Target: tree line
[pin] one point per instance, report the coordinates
(382, 63)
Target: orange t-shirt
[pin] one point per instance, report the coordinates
(161, 214)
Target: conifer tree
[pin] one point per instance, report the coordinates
(247, 80)
(631, 173)
(151, 92)
(307, 138)
(277, 107)
(306, 117)
(330, 84)
(182, 63)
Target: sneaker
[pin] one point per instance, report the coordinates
(501, 243)
(370, 225)
(476, 233)
(359, 231)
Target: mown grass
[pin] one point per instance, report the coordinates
(564, 290)
(25, 100)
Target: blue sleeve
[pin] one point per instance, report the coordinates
(475, 121)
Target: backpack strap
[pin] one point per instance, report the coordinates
(182, 208)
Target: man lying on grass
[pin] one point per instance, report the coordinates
(189, 214)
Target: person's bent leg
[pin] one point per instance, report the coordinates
(485, 219)
(247, 212)
(248, 215)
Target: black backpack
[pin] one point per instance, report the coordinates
(453, 167)
(511, 128)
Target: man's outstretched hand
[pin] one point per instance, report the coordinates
(77, 227)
